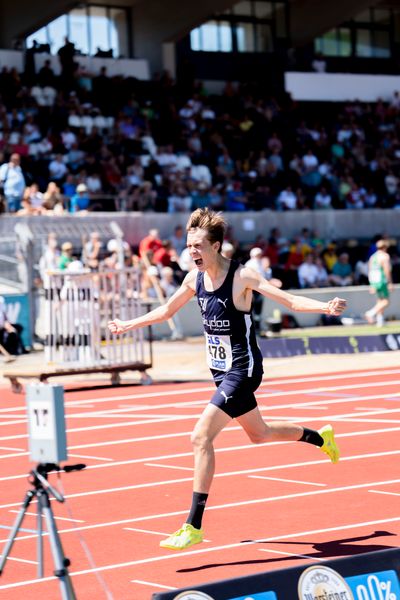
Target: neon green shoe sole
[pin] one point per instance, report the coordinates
(183, 538)
(329, 446)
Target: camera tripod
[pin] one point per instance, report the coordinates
(40, 491)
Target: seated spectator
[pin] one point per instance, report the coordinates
(356, 197)
(322, 273)
(178, 239)
(53, 200)
(36, 197)
(308, 273)
(12, 181)
(10, 333)
(91, 251)
(58, 169)
(323, 199)
(150, 243)
(180, 200)
(286, 200)
(80, 200)
(342, 273)
(66, 256)
(329, 257)
(49, 260)
(200, 196)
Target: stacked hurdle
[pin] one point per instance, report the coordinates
(78, 307)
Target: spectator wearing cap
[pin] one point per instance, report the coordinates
(66, 256)
(80, 200)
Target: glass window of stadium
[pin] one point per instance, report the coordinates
(249, 26)
(370, 34)
(94, 29)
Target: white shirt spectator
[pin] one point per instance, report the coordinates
(287, 200)
(68, 139)
(201, 173)
(323, 200)
(93, 183)
(308, 273)
(310, 161)
(57, 168)
(179, 203)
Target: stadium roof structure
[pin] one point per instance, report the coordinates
(154, 22)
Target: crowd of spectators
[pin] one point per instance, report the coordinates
(85, 142)
(304, 262)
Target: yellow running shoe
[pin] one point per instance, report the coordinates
(183, 538)
(329, 446)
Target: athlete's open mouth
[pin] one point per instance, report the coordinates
(198, 262)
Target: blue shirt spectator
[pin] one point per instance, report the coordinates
(80, 200)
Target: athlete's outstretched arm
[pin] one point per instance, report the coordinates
(162, 313)
(257, 283)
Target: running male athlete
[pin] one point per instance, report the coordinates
(224, 292)
(380, 280)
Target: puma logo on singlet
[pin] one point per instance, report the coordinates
(223, 301)
(225, 396)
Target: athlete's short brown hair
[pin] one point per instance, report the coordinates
(212, 222)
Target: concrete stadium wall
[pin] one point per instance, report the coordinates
(332, 224)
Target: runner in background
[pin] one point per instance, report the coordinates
(380, 280)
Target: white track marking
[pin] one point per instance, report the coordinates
(172, 556)
(292, 554)
(157, 585)
(153, 532)
(280, 498)
(147, 531)
(220, 450)
(386, 493)
(168, 467)
(23, 560)
(187, 434)
(268, 384)
(263, 408)
(287, 480)
(92, 457)
(31, 514)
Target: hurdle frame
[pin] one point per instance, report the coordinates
(78, 306)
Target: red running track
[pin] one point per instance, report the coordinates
(271, 506)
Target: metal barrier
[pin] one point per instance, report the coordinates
(78, 307)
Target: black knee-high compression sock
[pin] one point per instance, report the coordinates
(196, 512)
(311, 437)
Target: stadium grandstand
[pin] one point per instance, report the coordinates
(118, 119)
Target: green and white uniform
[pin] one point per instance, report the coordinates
(377, 277)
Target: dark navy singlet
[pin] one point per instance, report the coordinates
(230, 335)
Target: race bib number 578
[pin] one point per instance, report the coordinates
(219, 352)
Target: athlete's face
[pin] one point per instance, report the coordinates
(201, 250)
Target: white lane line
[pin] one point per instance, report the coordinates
(189, 417)
(168, 467)
(92, 457)
(157, 585)
(23, 560)
(7, 448)
(292, 554)
(152, 532)
(56, 518)
(219, 450)
(187, 434)
(266, 384)
(220, 506)
(172, 556)
(385, 493)
(287, 480)
(147, 531)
